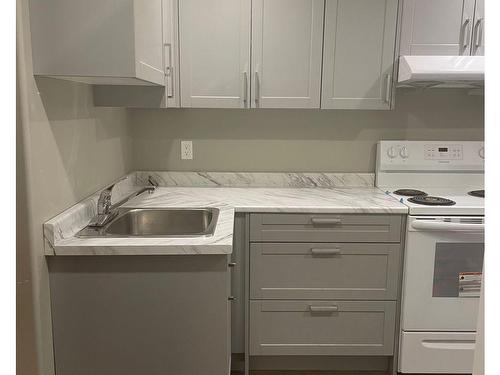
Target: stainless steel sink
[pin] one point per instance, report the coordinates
(152, 222)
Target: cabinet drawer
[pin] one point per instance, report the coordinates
(322, 327)
(324, 228)
(324, 271)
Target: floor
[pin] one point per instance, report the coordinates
(274, 372)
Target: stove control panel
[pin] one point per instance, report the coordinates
(443, 152)
(430, 156)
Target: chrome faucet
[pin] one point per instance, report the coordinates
(107, 211)
(104, 202)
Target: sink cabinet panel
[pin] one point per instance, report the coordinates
(129, 315)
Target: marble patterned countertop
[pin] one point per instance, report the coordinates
(230, 193)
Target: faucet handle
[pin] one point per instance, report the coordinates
(104, 202)
(152, 181)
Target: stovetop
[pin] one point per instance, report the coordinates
(439, 169)
(465, 204)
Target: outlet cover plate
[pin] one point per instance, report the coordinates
(187, 150)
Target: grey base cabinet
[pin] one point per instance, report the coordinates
(324, 286)
(322, 270)
(322, 327)
(129, 315)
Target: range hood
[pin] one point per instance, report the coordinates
(441, 71)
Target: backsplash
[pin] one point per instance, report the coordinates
(250, 179)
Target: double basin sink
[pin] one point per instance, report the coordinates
(152, 222)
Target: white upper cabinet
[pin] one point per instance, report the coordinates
(171, 52)
(358, 54)
(442, 27)
(215, 53)
(167, 96)
(477, 44)
(287, 38)
(117, 42)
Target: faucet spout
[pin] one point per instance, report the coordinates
(107, 211)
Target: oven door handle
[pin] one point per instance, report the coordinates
(443, 226)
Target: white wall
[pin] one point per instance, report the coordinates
(66, 150)
(299, 140)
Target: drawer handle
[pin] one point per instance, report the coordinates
(325, 251)
(323, 309)
(325, 221)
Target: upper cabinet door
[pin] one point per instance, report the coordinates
(478, 31)
(287, 37)
(171, 52)
(358, 55)
(437, 27)
(214, 53)
(108, 42)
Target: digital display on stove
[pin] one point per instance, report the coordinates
(443, 149)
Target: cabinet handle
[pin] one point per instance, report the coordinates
(316, 251)
(388, 83)
(325, 221)
(323, 309)
(466, 33)
(232, 264)
(231, 298)
(245, 88)
(169, 71)
(478, 35)
(257, 88)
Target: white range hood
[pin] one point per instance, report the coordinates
(441, 71)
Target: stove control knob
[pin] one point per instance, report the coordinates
(404, 152)
(481, 152)
(392, 152)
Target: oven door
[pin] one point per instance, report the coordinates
(442, 273)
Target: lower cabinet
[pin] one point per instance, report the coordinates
(324, 271)
(322, 327)
(129, 315)
(324, 286)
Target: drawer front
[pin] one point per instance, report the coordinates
(322, 327)
(437, 352)
(324, 271)
(324, 228)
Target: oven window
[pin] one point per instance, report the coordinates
(453, 260)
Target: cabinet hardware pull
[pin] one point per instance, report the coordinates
(466, 36)
(324, 309)
(169, 72)
(388, 83)
(232, 264)
(478, 35)
(325, 221)
(231, 298)
(316, 251)
(245, 88)
(257, 88)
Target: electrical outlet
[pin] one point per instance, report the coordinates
(186, 150)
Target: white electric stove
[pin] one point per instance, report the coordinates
(442, 183)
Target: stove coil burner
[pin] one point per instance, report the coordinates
(431, 201)
(410, 192)
(477, 193)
